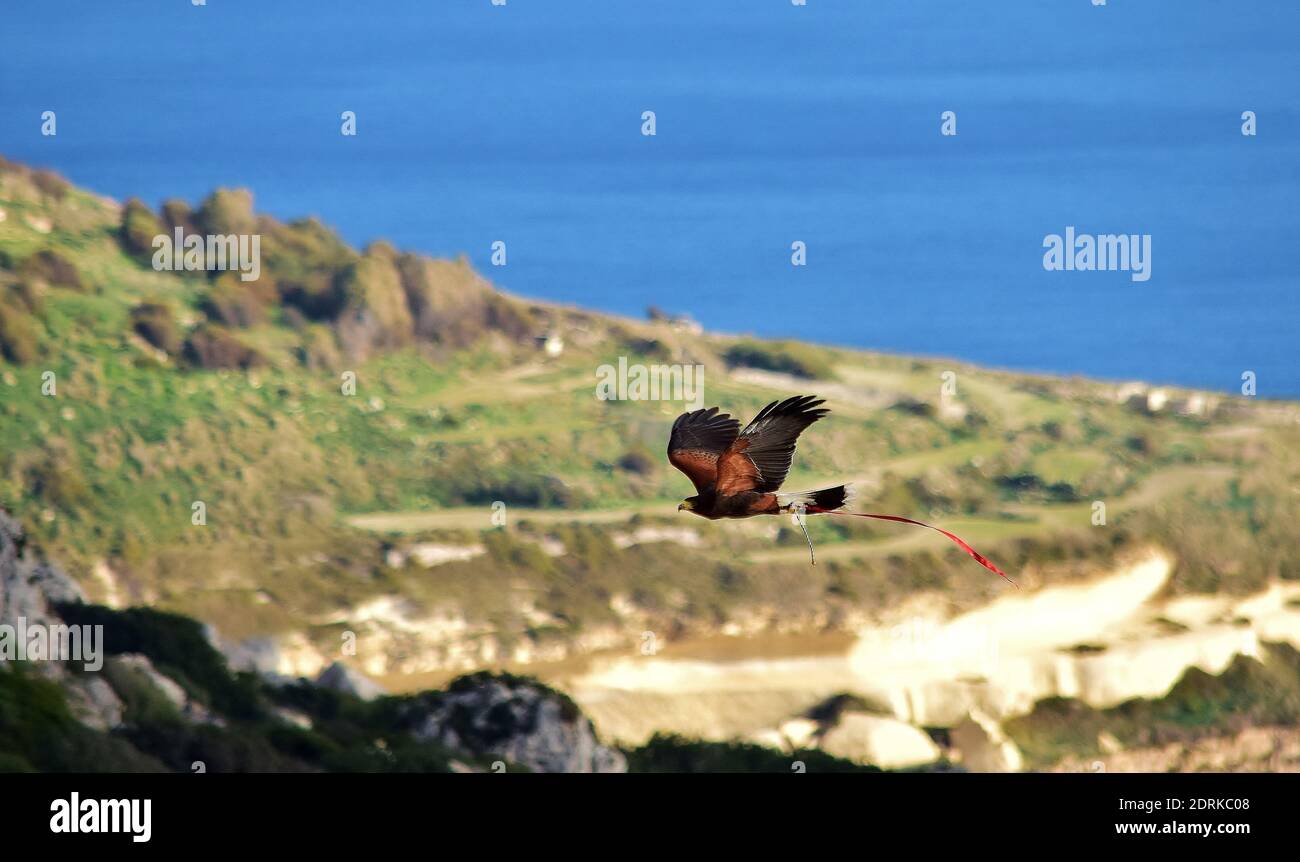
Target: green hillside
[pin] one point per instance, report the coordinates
(175, 388)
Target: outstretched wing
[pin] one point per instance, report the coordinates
(760, 457)
(699, 438)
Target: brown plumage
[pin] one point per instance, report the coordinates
(737, 473)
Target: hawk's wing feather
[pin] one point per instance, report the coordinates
(761, 456)
(699, 438)
(736, 472)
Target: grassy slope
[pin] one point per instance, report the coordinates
(106, 471)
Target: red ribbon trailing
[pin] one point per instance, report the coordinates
(979, 558)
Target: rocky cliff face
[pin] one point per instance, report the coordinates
(29, 590)
(480, 719)
(517, 720)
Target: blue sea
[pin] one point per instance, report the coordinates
(775, 123)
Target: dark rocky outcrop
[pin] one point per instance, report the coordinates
(517, 720)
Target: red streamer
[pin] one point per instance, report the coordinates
(979, 558)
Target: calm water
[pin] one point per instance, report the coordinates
(775, 123)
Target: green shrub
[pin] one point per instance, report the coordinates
(51, 184)
(177, 213)
(304, 259)
(234, 302)
(17, 336)
(510, 317)
(178, 648)
(448, 300)
(319, 350)
(52, 268)
(212, 346)
(58, 481)
(376, 316)
(319, 296)
(524, 489)
(138, 229)
(226, 211)
(39, 734)
(781, 356)
(638, 461)
(22, 296)
(153, 322)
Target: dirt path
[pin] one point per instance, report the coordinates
(1038, 519)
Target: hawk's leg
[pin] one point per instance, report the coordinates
(800, 516)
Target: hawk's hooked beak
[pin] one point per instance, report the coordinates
(685, 504)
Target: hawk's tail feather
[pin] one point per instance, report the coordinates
(828, 499)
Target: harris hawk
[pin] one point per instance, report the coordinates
(738, 474)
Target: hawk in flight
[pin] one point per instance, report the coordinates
(737, 473)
